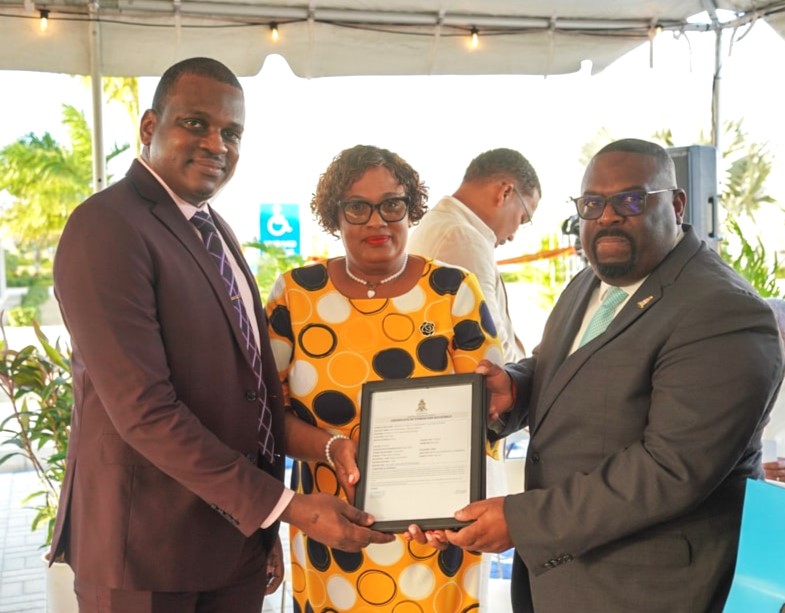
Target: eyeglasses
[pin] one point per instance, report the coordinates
(529, 221)
(625, 204)
(390, 209)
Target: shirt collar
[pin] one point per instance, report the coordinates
(186, 208)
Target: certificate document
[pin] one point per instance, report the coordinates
(422, 450)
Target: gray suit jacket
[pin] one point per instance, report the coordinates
(641, 442)
(163, 485)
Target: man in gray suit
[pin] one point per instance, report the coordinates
(642, 435)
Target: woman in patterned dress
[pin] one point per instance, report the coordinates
(374, 314)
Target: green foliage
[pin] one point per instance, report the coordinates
(21, 278)
(123, 91)
(29, 309)
(746, 166)
(46, 180)
(272, 262)
(601, 138)
(37, 380)
(549, 274)
(22, 271)
(19, 316)
(752, 263)
(665, 137)
(35, 296)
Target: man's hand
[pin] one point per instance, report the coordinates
(333, 522)
(488, 532)
(775, 471)
(275, 566)
(344, 455)
(499, 383)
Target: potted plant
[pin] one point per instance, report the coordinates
(37, 381)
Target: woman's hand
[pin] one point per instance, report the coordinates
(434, 538)
(343, 452)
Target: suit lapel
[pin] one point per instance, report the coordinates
(167, 212)
(559, 368)
(566, 367)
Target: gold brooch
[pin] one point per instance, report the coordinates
(642, 303)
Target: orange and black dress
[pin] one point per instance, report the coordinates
(326, 346)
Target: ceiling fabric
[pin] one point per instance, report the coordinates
(360, 37)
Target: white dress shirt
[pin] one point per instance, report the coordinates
(452, 233)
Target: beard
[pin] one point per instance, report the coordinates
(614, 270)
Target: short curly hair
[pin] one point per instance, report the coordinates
(348, 167)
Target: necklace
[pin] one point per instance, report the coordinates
(372, 286)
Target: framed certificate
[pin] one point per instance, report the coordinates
(422, 450)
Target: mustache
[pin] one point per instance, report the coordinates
(611, 232)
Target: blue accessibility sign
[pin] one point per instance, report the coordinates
(279, 226)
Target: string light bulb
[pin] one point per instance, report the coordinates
(274, 32)
(44, 15)
(475, 40)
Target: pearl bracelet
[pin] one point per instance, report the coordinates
(327, 455)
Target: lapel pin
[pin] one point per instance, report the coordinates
(642, 303)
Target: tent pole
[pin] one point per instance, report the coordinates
(716, 121)
(99, 159)
(716, 125)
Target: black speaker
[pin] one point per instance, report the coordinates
(696, 174)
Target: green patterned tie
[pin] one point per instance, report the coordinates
(604, 315)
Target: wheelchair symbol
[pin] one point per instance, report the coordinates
(278, 225)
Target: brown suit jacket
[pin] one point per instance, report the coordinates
(162, 488)
(641, 442)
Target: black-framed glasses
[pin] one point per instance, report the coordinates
(390, 209)
(529, 221)
(625, 204)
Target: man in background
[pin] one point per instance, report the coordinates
(499, 193)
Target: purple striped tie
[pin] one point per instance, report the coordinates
(212, 241)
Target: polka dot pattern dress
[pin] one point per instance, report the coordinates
(326, 346)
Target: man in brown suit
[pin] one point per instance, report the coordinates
(173, 491)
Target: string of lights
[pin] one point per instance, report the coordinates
(207, 15)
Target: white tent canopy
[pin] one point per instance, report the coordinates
(347, 37)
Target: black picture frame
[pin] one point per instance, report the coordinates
(385, 429)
